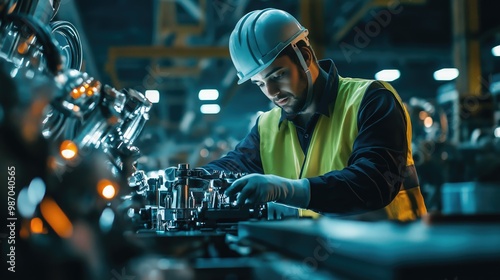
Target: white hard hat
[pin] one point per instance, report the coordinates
(259, 37)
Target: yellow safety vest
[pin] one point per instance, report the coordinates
(331, 145)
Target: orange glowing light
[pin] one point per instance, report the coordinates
(75, 94)
(106, 189)
(22, 48)
(56, 218)
(36, 225)
(90, 91)
(422, 115)
(68, 149)
(428, 122)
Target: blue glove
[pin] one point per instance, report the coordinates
(258, 188)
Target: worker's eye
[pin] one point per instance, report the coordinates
(259, 84)
(278, 75)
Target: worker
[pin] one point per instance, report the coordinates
(331, 144)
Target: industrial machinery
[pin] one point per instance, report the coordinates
(78, 194)
(68, 142)
(189, 199)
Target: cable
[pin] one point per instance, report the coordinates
(70, 33)
(55, 6)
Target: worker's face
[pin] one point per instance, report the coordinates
(284, 84)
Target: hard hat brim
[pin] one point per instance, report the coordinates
(301, 35)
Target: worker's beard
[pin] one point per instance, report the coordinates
(296, 103)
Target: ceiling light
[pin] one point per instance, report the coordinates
(496, 50)
(446, 74)
(208, 94)
(388, 75)
(210, 109)
(153, 95)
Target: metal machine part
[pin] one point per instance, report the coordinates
(47, 101)
(42, 10)
(96, 118)
(190, 199)
(69, 41)
(25, 39)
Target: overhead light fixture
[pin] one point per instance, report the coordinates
(388, 75)
(208, 94)
(153, 95)
(210, 109)
(446, 74)
(496, 50)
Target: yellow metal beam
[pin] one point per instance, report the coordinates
(473, 106)
(353, 20)
(167, 20)
(110, 67)
(159, 52)
(311, 17)
(466, 49)
(369, 5)
(177, 71)
(167, 52)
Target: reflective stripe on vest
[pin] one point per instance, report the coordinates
(331, 145)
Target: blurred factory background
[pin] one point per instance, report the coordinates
(442, 56)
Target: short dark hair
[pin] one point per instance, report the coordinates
(288, 51)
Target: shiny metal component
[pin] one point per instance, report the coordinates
(135, 115)
(191, 201)
(193, 198)
(133, 108)
(93, 118)
(39, 9)
(160, 217)
(139, 181)
(181, 195)
(21, 47)
(168, 201)
(70, 43)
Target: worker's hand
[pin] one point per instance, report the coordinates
(258, 188)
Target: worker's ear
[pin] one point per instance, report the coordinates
(307, 54)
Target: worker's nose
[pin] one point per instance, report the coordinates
(272, 89)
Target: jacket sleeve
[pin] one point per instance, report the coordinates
(378, 156)
(245, 158)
